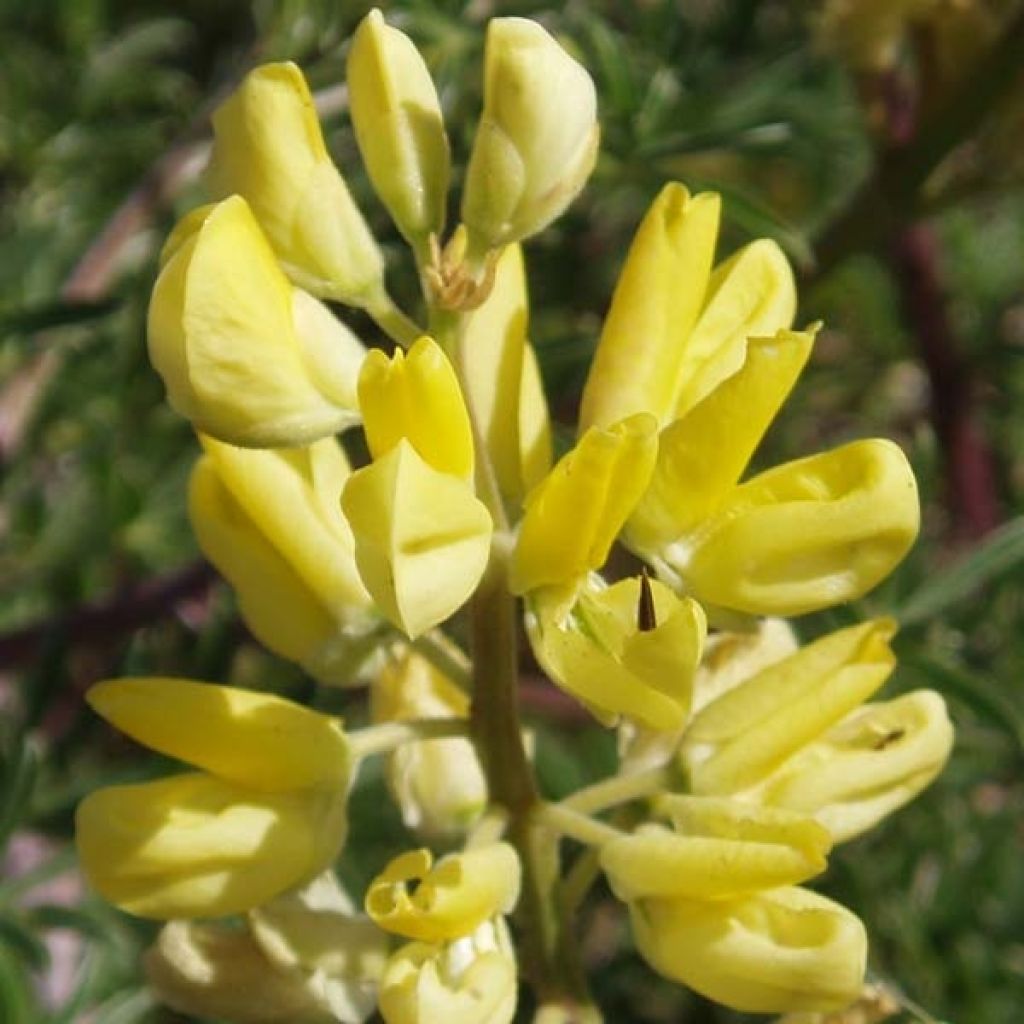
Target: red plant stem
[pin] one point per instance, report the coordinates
(970, 472)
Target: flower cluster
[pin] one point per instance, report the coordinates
(748, 755)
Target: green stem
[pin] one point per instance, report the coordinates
(392, 321)
(382, 739)
(620, 789)
(575, 825)
(447, 657)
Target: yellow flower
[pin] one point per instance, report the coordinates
(398, 125)
(676, 330)
(727, 660)
(503, 381)
(806, 535)
(597, 650)
(537, 139)
(268, 148)
(305, 955)
(717, 849)
(271, 522)
(209, 970)
(748, 732)
(710, 355)
(438, 784)
(266, 812)
(417, 396)
(574, 514)
(245, 356)
(877, 759)
(422, 538)
(448, 900)
(774, 951)
(471, 980)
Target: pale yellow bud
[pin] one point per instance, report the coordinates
(537, 139)
(422, 538)
(471, 980)
(440, 902)
(271, 522)
(245, 356)
(398, 125)
(774, 951)
(438, 784)
(748, 732)
(872, 763)
(268, 148)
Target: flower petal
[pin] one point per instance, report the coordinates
(422, 538)
(254, 739)
(640, 364)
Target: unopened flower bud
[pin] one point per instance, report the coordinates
(398, 125)
(244, 355)
(537, 139)
(268, 148)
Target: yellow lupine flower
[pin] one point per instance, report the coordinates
(727, 660)
(271, 522)
(440, 902)
(873, 762)
(717, 849)
(265, 813)
(244, 355)
(471, 980)
(438, 784)
(503, 381)
(748, 732)
(422, 538)
(306, 955)
(209, 970)
(268, 148)
(675, 330)
(416, 395)
(316, 932)
(574, 514)
(537, 139)
(597, 652)
(774, 951)
(397, 119)
(703, 454)
(803, 536)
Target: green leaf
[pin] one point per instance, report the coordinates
(16, 1003)
(19, 775)
(1000, 552)
(59, 313)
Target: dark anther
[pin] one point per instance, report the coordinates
(889, 738)
(646, 618)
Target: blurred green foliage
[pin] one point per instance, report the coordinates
(103, 109)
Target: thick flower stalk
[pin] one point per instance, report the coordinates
(747, 755)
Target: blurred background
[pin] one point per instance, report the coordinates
(881, 142)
